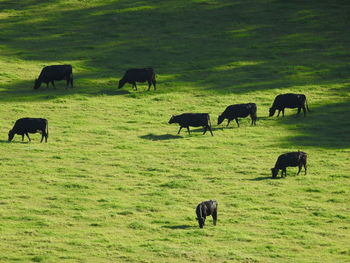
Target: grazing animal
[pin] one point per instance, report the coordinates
(289, 100)
(55, 72)
(233, 112)
(289, 159)
(30, 125)
(205, 209)
(138, 75)
(192, 119)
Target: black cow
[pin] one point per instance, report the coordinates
(192, 119)
(55, 72)
(235, 111)
(289, 100)
(289, 159)
(30, 125)
(138, 75)
(205, 209)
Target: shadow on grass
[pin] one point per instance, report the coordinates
(264, 178)
(179, 227)
(154, 137)
(327, 126)
(181, 41)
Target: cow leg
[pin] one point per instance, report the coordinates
(299, 109)
(149, 85)
(211, 132)
(279, 111)
(188, 129)
(284, 172)
(282, 112)
(228, 122)
(215, 216)
(28, 136)
(300, 165)
(47, 85)
(53, 84)
(179, 130)
(42, 137)
(304, 110)
(22, 137)
(236, 119)
(205, 129)
(135, 86)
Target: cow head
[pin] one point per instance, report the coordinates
(11, 135)
(172, 119)
(220, 119)
(201, 221)
(272, 112)
(36, 84)
(274, 172)
(121, 83)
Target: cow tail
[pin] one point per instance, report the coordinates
(307, 106)
(71, 79)
(47, 129)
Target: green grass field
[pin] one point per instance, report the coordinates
(115, 183)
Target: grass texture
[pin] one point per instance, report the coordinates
(115, 183)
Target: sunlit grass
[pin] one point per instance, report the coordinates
(115, 183)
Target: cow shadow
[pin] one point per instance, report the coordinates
(6, 141)
(264, 178)
(178, 227)
(162, 137)
(112, 92)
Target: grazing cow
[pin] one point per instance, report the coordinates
(289, 100)
(30, 125)
(289, 159)
(55, 72)
(138, 75)
(238, 110)
(192, 119)
(205, 209)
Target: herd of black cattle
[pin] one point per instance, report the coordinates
(233, 112)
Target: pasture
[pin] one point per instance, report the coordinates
(115, 183)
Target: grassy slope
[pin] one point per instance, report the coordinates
(116, 184)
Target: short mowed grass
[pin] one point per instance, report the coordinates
(115, 183)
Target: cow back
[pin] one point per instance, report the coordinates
(239, 110)
(30, 125)
(139, 74)
(290, 159)
(55, 72)
(289, 100)
(192, 119)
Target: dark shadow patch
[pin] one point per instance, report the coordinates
(154, 137)
(327, 126)
(178, 227)
(264, 178)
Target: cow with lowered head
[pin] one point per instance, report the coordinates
(235, 111)
(55, 72)
(138, 75)
(205, 209)
(30, 125)
(289, 100)
(291, 159)
(192, 119)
